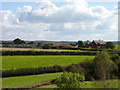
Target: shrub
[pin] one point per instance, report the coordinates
(47, 53)
(31, 71)
(70, 80)
(103, 66)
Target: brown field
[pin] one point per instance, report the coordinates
(33, 49)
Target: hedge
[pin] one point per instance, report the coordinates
(48, 53)
(31, 71)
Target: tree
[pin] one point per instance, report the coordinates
(87, 41)
(70, 80)
(80, 44)
(110, 45)
(103, 66)
(18, 41)
(31, 42)
(46, 46)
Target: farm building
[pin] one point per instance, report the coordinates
(96, 44)
(61, 45)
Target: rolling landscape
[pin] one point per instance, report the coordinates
(59, 45)
(41, 69)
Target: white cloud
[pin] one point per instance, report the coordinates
(47, 21)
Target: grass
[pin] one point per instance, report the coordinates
(102, 84)
(23, 81)
(117, 46)
(97, 84)
(15, 62)
(52, 86)
(0, 83)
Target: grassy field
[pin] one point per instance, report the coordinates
(32, 80)
(23, 81)
(97, 84)
(102, 84)
(117, 46)
(15, 62)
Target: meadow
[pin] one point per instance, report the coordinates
(117, 46)
(15, 62)
(97, 84)
(28, 81)
(33, 80)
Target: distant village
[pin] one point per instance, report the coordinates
(18, 43)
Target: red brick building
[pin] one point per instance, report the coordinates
(96, 44)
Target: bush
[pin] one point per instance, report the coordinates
(31, 71)
(70, 80)
(84, 68)
(47, 53)
(102, 67)
(75, 68)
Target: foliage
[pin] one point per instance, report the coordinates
(31, 71)
(18, 41)
(75, 68)
(70, 80)
(118, 64)
(30, 52)
(103, 65)
(46, 46)
(100, 68)
(110, 45)
(80, 44)
(31, 42)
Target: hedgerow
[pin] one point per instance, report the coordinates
(31, 71)
(48, 53)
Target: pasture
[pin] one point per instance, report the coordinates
(15, 62)
(117, 46)
(97, 84)
(28, 81)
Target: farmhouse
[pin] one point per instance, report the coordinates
(96, 44)
(61, 45)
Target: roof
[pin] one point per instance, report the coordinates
(99, 42)
(60, 44)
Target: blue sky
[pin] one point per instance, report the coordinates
(59, 20)
(13, 5)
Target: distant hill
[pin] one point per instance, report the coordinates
(40, 41)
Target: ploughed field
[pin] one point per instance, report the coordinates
(15, 62)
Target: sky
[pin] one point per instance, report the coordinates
(59, 21)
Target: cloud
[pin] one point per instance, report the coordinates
(72, 21)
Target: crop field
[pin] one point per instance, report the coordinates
(27, 81)
(15, 62)
(33, 49)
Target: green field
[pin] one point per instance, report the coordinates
(27, 81)
(117, 46)
(97, 84)
(32, 80)
(15, 62)
(103, 84)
